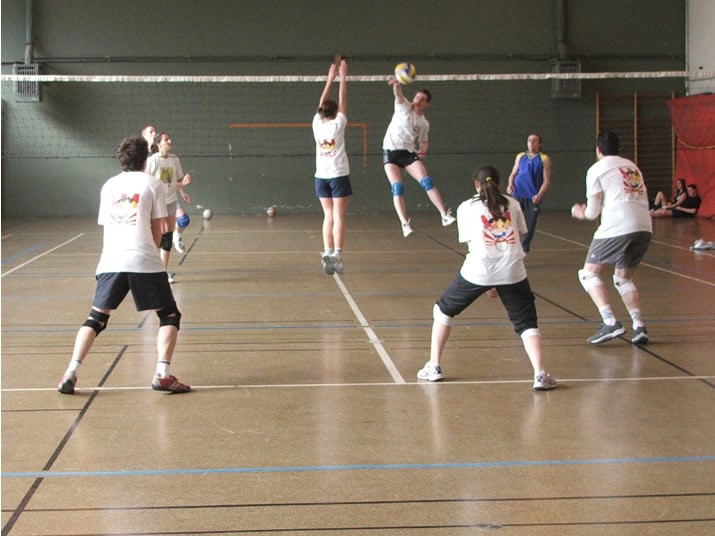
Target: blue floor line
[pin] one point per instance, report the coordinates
(370, 467)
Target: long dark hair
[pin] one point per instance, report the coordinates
(488, 181)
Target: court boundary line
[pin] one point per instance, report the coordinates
(371, 335)
(363, 467)
(370, 384)
(40, 256)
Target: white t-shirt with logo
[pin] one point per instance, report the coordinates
(625, 198)
(495, 254)
(407, 129)
(331, 158)
(168, 171)
(128, 203)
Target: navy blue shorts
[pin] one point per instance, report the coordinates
(150, 291)
(338, 187)
(399, 157)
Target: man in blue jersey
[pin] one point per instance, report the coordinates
(528, 182)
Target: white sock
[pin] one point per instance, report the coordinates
(162, 369)
(73, 367)
(607, 315)
(636, 317)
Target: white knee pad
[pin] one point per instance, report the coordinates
(623, 285)
(589, 280)
(531, 332)
(440, 317)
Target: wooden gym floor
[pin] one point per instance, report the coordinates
(307, 417)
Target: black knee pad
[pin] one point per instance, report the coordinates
(97, 321)
(169, 316)
(166, 240)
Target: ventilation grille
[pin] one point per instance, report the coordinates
(26, 90)
(563, 88)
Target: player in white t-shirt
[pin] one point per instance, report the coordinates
(166, 167)
(332, 170)
(404, 146)
(133, 213)
(615, 190)
(492, 225)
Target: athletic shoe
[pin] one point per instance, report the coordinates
(447, 218)
(430, 372)
(327, 261)
(179, 244)
(337, 260)
(640, 335)
(606, 333)
(170, 384)
(67, 383)
(170, 277)
(406, 229)
(544, 382)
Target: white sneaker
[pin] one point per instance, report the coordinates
(544, 382)
(447, 218)
(430, 372)
(327, 261)
(179, 244)
(337, 260)
(406, 229)
(170, 277)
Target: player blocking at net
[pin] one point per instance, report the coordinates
(332, 169)
(133, 212)
(405, 145)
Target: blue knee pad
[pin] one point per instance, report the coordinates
(426, 183)
(183, 221)
(398, 189)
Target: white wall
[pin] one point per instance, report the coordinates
(701, 44)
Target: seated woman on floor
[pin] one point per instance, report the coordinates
(662, 201)
(687, 209)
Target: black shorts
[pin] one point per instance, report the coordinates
(150, 291)
(517, 298)
(399, 157)
(625, 251)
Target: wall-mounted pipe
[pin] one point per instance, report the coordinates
(29, 41)
(561, 29)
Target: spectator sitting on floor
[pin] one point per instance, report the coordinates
(687, 209)
(662, 201)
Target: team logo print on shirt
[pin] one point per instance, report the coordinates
(632, 181)
(498, 232)
(327, 147)
(124, 209)
(166, 175)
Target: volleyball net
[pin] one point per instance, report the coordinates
(258, 127)
(65, 116)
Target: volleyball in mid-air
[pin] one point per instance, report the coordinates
(405, 73)
(208, 214)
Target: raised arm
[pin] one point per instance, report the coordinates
(343, 90)
(328, 84)
(397, 89)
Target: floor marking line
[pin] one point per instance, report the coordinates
(664, 270)
(361, 467)
(42, 255)
(371, 335)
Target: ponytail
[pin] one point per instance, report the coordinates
(487, 179)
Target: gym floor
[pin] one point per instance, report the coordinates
(306, 415)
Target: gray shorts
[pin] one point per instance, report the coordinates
(625, 251)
